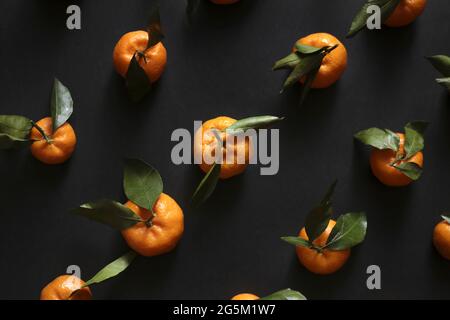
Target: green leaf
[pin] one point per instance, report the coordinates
(349, 230)
(286, 294)
(256, 122)
(308, 82)
(414, 141)
(319, 217)
(379, 138)
(297, 241)
(289, 61)
(360, 20)
(446, 218)
(155, 34)
(109, 212)
(441, 63)
(61, 104)
(17, 127)
(206, 186)
(142, 183)
(112, 269)
(445, 82)
(305, 49)
(137, 82)
(307, 64)
(409, 169)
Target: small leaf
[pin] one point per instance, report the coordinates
(445, 82)
(112, 269)
(137, 81)
(17, 127)
(309, 79)
(286, 294)
(414, 141)
(108, 212)
(349, 230)
(446, 218)
(142, 183)
(289, 61)
(155, 34)
(319, 217)
(297, 241)
(256, 122)
(360, 20)
(307, 64)
(441, 63)
(379, 138)
(305, 49)
(409, 169)
(207, 185)
(61, 104)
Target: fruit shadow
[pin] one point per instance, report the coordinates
(311, 285)
(227, 194)
(23, 168)
(386, 48)
(146, 278)
(387, 203)
(210, 15)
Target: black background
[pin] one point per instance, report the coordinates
(221, 65)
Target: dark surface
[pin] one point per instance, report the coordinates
(220, 65)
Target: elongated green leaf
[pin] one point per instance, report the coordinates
(409, 169)
(379, 138)
(360, 20)
(350, 230)
(446, 218)
(445, 82)
(307, 64)
(441, 63)
(142, 183)
(287, 62)
(137, 82)
(309, 79)
(113, 269)
(305, 49)
(256, 122)
(108, 212)
(61, 104)
(155, 34)
(15, 126)
(319, 217)
(414, 141)
(297, 241)
(206, 186)
(286, 294)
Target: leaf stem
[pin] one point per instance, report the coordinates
(41, 131)
(141, 54)
(149, 221)
(329, 49)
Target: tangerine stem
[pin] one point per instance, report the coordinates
(41, 131)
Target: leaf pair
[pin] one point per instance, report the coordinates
(442, 64)
(142, 185)
(349, 230)
(286, 294)
(111, 270)
(209, 181)
(15, 130)
(383, 139)
(360, 20)
(137, 81)
(305, 63)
